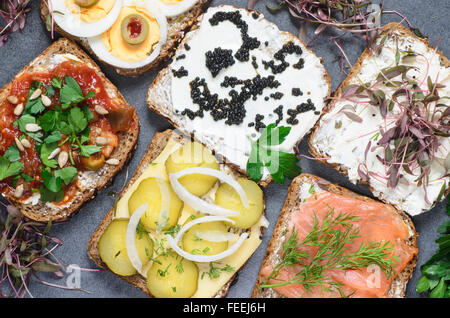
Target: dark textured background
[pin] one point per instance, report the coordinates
(431, 17)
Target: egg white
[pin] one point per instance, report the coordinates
(102, 52)
(73, 25)
(172, 10)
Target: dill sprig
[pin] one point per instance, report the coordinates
(332, 239)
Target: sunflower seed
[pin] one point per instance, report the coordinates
(19, 144)
(36, 94)
(18, 109)
(25, 143)
(32, 127)
(54, 153)
(99, 109)
(62, 158)
(18, 192)
(46, 100)
(13, 99)
(101, 141)
(112, 162)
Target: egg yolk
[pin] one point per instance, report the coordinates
(117, 46)
(93, 13)
(171, 1)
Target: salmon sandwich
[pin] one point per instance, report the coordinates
(331, 242)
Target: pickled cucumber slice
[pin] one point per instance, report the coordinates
(172, 276)
(86, 3)
(194, 244)
(113, 251)
(149, 192)
(193, 154)
(228, 198)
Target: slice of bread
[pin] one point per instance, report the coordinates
(88, 182)
(156, 146)
(298, 191)
(231, 142)
(333, 134)
(176, 29)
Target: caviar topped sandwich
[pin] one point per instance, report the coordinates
(61, 126)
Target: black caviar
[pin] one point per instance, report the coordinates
(279, 112)
(232, 109)
(302, 108)
(181, 72)
(296, 92)
(254, 64)
(218, 59)
(277, 95)
(187, 47)
(248, 43)
(255, 15)
(280, 55)
(258, 122)
(180, 57)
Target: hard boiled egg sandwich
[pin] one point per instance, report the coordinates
(184, 225)
(132, 36)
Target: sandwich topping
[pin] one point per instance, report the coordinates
(390, 125)
(55, 125)
(186, 225)
(339, 246)
(238, 75)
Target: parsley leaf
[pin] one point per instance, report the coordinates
(34, 106)
(67, 174)
(52, 183)
(279, 164)
(12, 153)
(77, 120)
(53, 137)
(8, 168)
(71, 92)
(45, 151)
(87, 150)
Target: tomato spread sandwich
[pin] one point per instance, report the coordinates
(388, 124)
(184, 225)
(65, 132)
(235, 74)
(331, 242)
(132, 36)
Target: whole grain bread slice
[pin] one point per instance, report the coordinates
(156, 146)
(292, 204)
(88, 182)
(176, 29)
(322, 157)
(159, 97)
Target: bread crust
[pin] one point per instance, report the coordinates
(292, 204)
(156, 146)
(176, 29)
(353, 72)
(165, 73)
(41, 211)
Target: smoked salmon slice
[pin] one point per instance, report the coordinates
(375, 222)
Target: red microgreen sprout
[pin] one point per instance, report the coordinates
(13, 13)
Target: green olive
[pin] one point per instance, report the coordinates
(134, 28)
(86, 3)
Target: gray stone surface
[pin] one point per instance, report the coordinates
(431, 17)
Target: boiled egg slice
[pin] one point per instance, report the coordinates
(135, 39)
(85, 18)
(172, 8)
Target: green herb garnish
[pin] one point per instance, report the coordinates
(279, 164)
(436, 271)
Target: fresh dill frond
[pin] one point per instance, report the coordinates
(331, 239)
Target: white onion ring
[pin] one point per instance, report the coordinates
(72, 24)
(200, 204)
(173, 242)
(102, 52)
(165, 204)
(131, 237)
